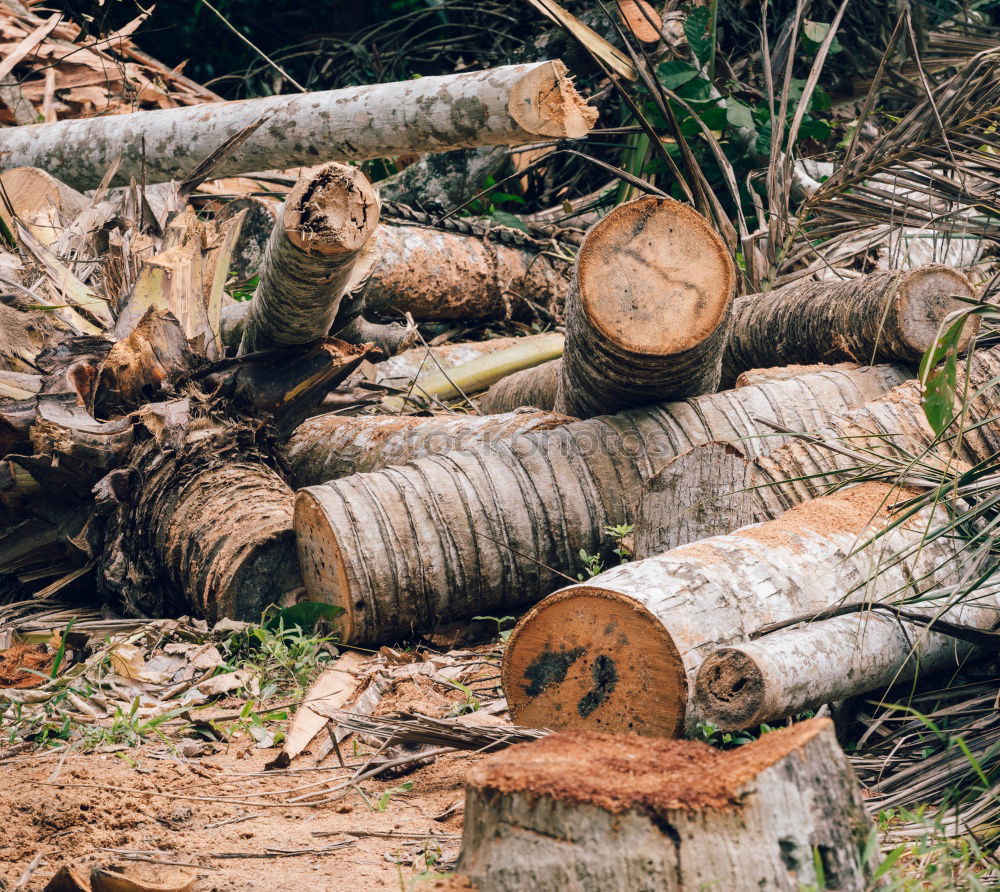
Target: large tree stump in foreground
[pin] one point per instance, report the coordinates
(596, 813)
(890, 316)
(620, 651)
(510, 105)
(645, 315)
(328, 219)
(487, 530)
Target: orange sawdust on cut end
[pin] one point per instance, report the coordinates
(619, 773)
(21, 657)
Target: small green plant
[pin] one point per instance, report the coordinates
(384, 799)
(594, 563)
(245, 290)
(488, 205)
(725, 740)
(502, 633)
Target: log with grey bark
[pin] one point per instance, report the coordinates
(792, 670)
(620, 651)
(890, 316)
(331, 446)
(645, 314)
(596, 813)
(477, 531)
(312, 258)
(512, 105)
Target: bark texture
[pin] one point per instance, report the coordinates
(311, 258)
(645, 314)
(477, 531)
(535, 387)
(619, 652)
(890, 316)
(595, 813)
(441, 276)
(792, 670)
(332, 446)
(511, 105)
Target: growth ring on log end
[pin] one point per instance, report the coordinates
(591, 658)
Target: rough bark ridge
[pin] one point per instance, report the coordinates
(311, 258)
(882, 317)
(535, 387)
(439, 276)
(442, 181)
(636, 634)
(331, 446)
(596, 813)
(645, 314)
(511, 105)
(479, 531)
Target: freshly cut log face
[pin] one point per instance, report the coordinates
(327, 221)
(891, 316)
(477, 531)
(644, 316)
(330, 446)
(511, 105)
(597, 813)
(620, 652)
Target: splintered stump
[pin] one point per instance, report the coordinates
(511, 105)
(312, 258)
(620, 651)
(645, 315)
(484, 530)
(330, 446)
(891, 316)
(598, 813)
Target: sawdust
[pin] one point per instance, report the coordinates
(16, 660)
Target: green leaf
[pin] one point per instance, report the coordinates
(698, 33)
(714, 118)
(939, 374)
(763, 144)
(305, 615)
(814, 128)
(696, 90)
(505, 219)
(888, 861)
(675, 73)
(500, 197)
(738, 114)
(814, 33)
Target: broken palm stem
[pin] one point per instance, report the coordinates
(645, 315)
(512, 105)
(379, 546)
(313, 257)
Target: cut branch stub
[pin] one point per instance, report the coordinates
(620, 652)
(311, 257)
(596, 813)
(645, 315)
(889, 316)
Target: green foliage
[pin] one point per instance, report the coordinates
(708, 733)
(698, 31)
(489, 204)
(245, 291)
(594, 563)
(502, 633)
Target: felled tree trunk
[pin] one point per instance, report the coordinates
(645, 315)
(311, 258)
(882, 317)
(511, 105)
(620, 651)
(536, 387)
(596, 813)
(331, 446)
(441, 276)
(789, 671)
(386, 548)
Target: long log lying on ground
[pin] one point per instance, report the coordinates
(645, 315)
(882, 317)
(789, 671)
(596, 813)
(620, 651)
(474, 532)
(442, 276)
(331, 446)
(511, 105)
(311, 258)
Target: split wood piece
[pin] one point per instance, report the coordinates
(442, 276)
(39, 200)
(645, 315)
(330, 446)
(882, 317)
(512, 105)
(786, 672)
(597, 813)
(619, 653)
(311, 258)
(475, 532)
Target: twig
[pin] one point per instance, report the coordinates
(22, 883)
